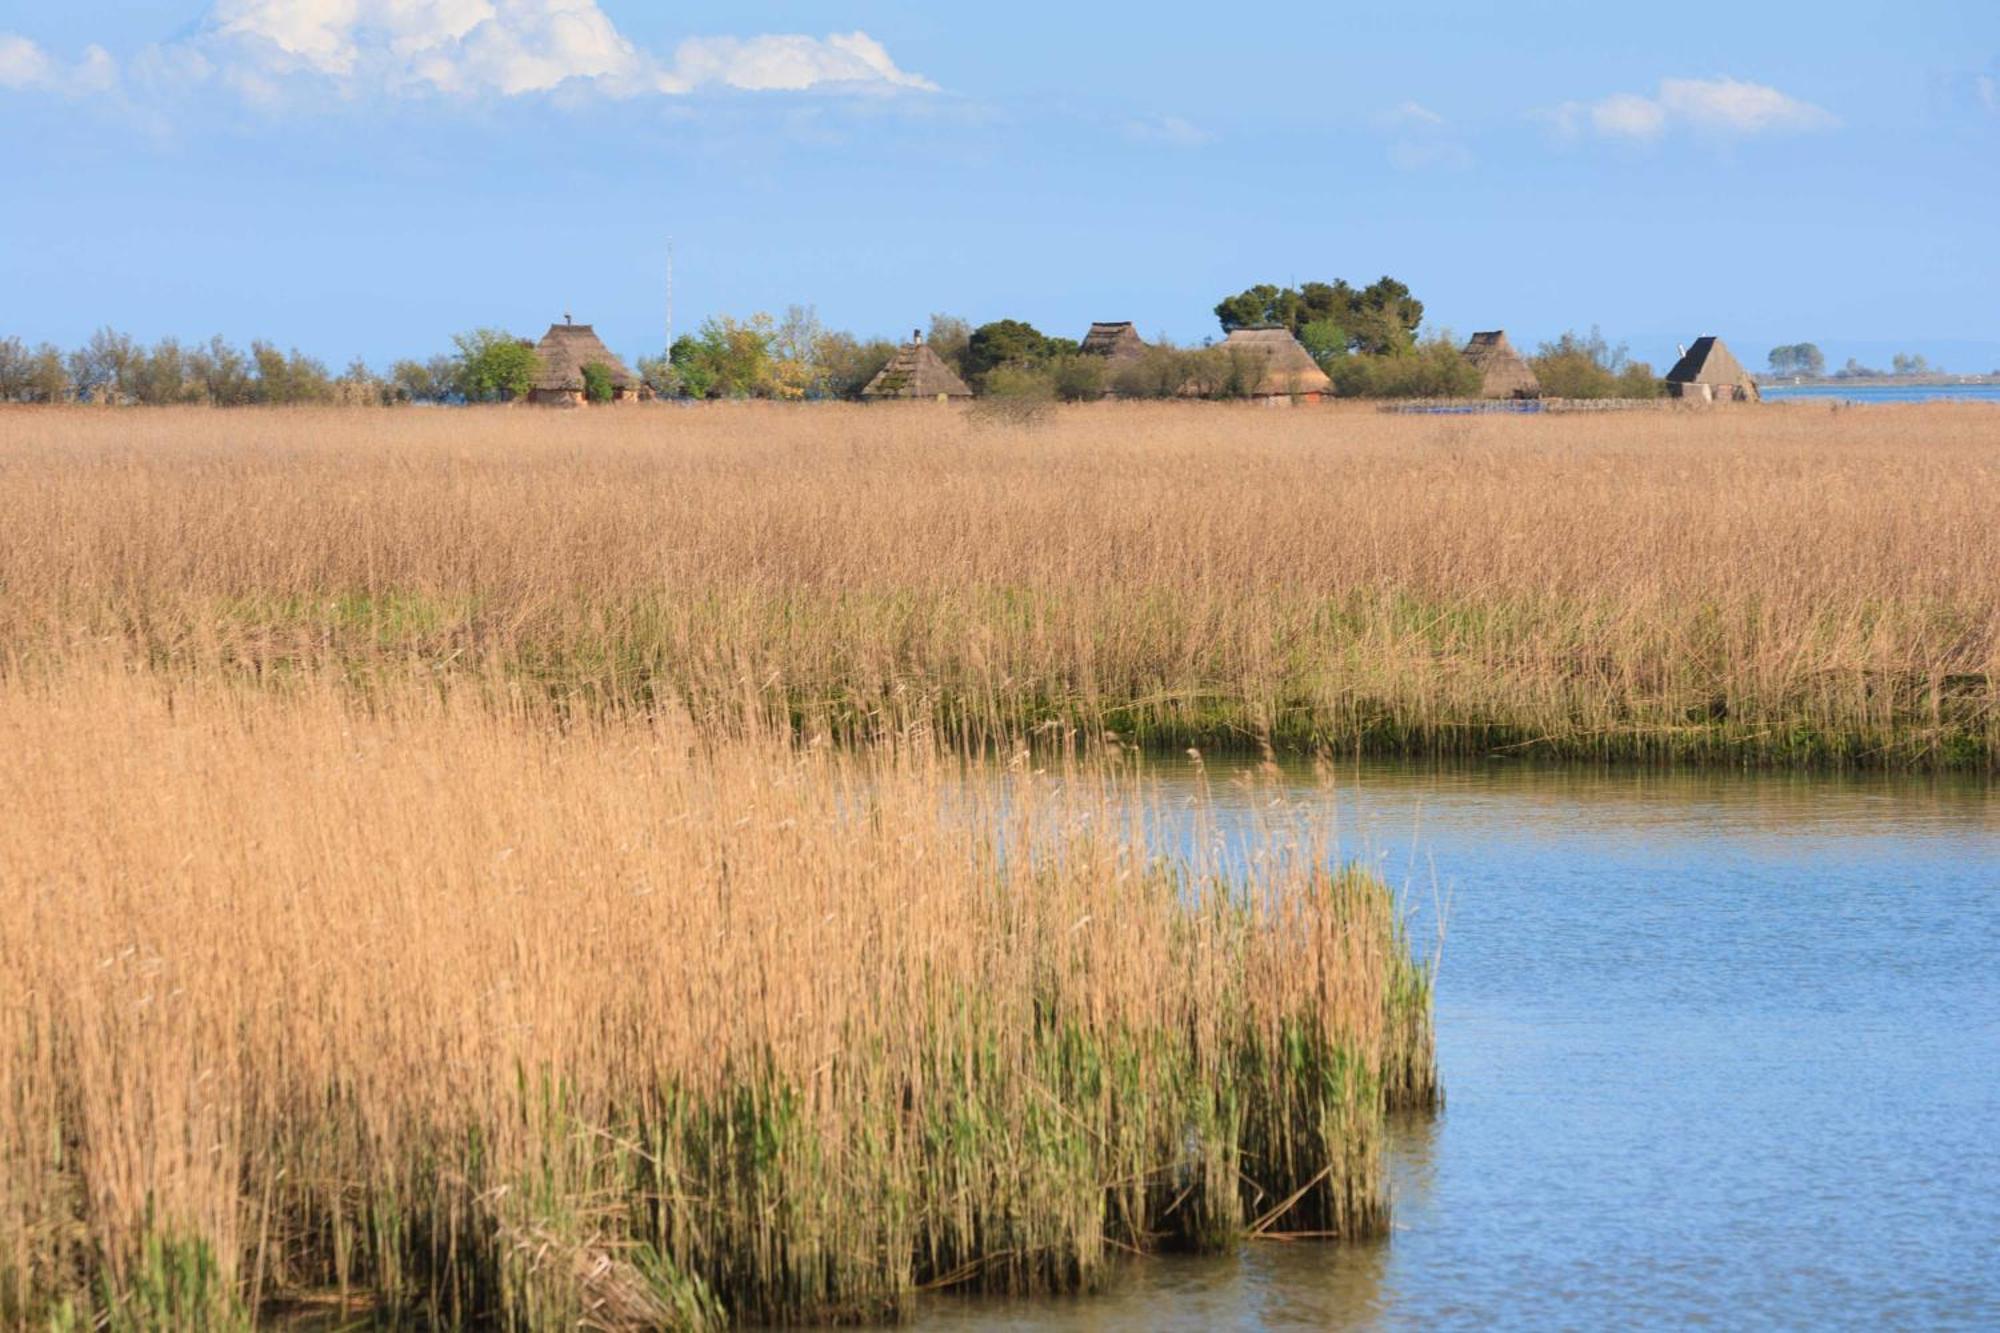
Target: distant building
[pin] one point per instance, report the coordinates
(1289, 372)
(564, 351)
(1504, 373)
(1121, 347)
(1707, 373)
(915, 372)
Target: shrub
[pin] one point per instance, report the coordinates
(1575, 366)
(1435, 368)
(1015, 397)
(1078, 378)
(597, 385)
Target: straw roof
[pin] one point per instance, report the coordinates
(1504, 372)
(1710, 362)
(566, 349)
(1117, 342)
(1288, 367)
(915, 371)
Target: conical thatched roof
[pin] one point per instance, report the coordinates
(915, 371)
(566, 349)
(1288, 367)
(1504, 373)
(1117, 342)
(1710, 362)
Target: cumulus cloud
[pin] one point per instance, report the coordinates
(1720, 107)
(269, 49)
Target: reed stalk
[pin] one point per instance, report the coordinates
(448, 1009)
(1782, 586)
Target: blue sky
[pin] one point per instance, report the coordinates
(369, 176)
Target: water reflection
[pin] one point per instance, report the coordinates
(1718, 1048)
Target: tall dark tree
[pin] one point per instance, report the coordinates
(1004, 342)
(1377, 320)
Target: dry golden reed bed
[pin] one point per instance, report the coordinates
(1789, 584)
(478, 1017)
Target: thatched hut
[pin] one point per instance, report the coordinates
(1121, 347)
(564, 351)
(1119, 344)
(915, 372)
(1708, 373)
(1504, 372)
(1288, 372)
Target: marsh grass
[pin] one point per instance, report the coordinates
(472, 1016)
(1789, 585)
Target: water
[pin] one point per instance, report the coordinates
(1718, 1049)
(1885, 393)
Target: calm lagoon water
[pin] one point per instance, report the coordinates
(1718, 1049)
(1885, 393)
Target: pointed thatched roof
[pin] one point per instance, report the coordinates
(1288, 367)
(1118, 342)
(915, 371)
(1504, 372)
(566, 349)
(1710, 362)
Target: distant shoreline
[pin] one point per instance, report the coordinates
(1871, 381)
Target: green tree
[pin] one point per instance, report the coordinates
(597, 385)
(48, 376)
(160, 376)
(1377, 320)
(1798, 359)
(1325, 340)
(1906, 364)
(948, 337)
(101, 370)
(848, 364)
(283, 380)
(220, 374)
(738, 356)
(429, 381)
(1004, 342)
(494, 366)
(691, 374)
(15, 364)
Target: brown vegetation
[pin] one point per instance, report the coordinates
(480, 1016)
(1788, 585)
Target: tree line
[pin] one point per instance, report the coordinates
(1370, 341)
(1807, 361)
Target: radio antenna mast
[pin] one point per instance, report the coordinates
(670, 297)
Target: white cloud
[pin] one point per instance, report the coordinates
(1410, 114)
(1420, 139)
(1172, 131)
(1989, 92)
(1719, 107)
(790, 64)
(1630, 116)
(23, 64)
(26, 67)
(268, 50)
